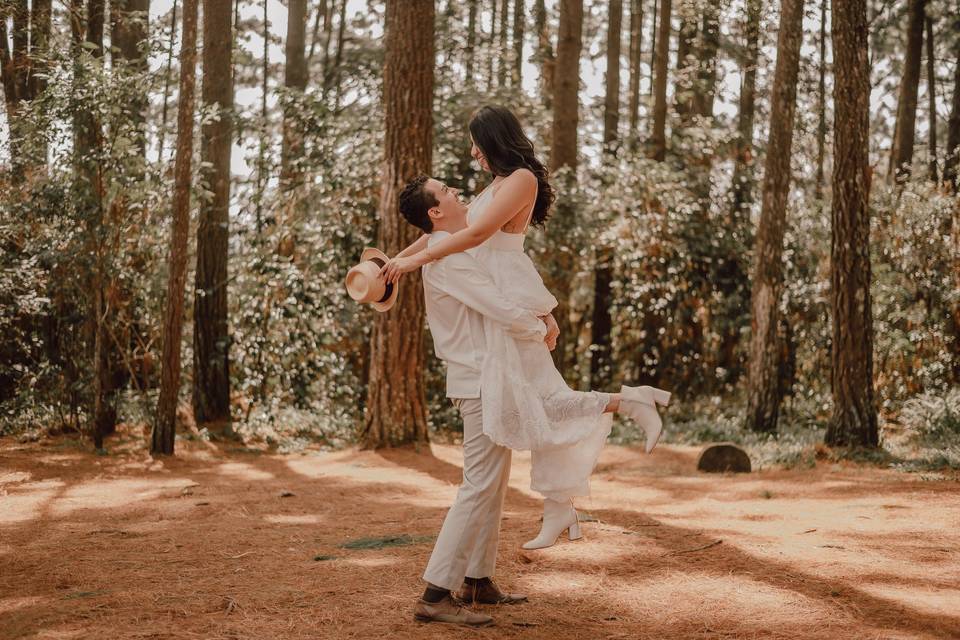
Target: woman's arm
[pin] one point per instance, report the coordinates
(416, 246)
(509, 199)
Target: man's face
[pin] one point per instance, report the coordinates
(450, 206)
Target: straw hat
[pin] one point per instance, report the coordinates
(364, 284)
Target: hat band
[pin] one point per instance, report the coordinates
(388, 290)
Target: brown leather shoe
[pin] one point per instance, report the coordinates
(450, 611)
(485, 591)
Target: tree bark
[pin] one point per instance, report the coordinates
(22, 72)
(129, 33)
(516, 77)
(395, 410)
(166, 82)
(822, 103)
(902, 153)
(211, 337)
(658, 137)
(563, 154)
(321, 13)
(164, 429)
(743, 166)
(88, 141)
(708, 43)
(601, 321)
(763, 390)
(338, 57)
(295, 80)
(544, 55)
(683, 82)
(854, 419)
(611, 102)
(502, 44)
(932, 102)
(566, 87)
(264, 121)
(41, 20)
(469, 52)
(654, 26)
(636, 40)
(952, 161)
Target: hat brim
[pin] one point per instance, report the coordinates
(370, 253)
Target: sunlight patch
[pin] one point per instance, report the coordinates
(931, 600)
(244, 471)
(109, 494)
(287, 519)
(8, 605)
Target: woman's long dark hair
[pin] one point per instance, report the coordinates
(498, 134)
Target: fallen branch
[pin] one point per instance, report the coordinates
(706, 546)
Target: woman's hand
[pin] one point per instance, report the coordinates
(392, 271)
(553, 331)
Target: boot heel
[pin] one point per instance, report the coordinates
(573, 533)
(660, 396)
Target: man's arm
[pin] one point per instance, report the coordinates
(470, 283)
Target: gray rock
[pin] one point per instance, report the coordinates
(723, 457)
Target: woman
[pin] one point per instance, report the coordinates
(526, 403)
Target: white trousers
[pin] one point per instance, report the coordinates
(467, 544)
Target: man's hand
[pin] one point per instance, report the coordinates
(553, 331)
(392, 271)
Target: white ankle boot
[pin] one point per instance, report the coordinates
(640, 403)
(557, 516)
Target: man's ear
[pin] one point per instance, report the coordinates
(434, 213)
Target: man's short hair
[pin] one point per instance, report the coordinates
(415, 201)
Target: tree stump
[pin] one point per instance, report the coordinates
(723, 457)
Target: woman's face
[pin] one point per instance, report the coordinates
(477, 155)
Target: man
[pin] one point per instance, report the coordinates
(459, 292)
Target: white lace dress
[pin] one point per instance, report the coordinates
(527, 405)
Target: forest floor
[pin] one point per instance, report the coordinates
(227, 542)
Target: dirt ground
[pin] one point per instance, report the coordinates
(208, 545)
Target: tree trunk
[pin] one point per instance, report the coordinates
(932, 97)
(654, 25)
(763, 391)
(295, 80)
(22, 73)
(469, 52)
(743, 167)
(211, 337)
(516, 77)
(544, 54)
(502, 44)
(687, 11)
(902, 153)
(396, 411)
(338, 57)
(88, 34)
(567, 85)
(822, 102)
(611, 102)
(658, 137)
(854, 419)
(636, 40)
(601, 322)
(952, 161)
(705, 88)
(563, 154)
(166, 82)
(264, 122)
(164, 428)
(129, 33)
(322, 9)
